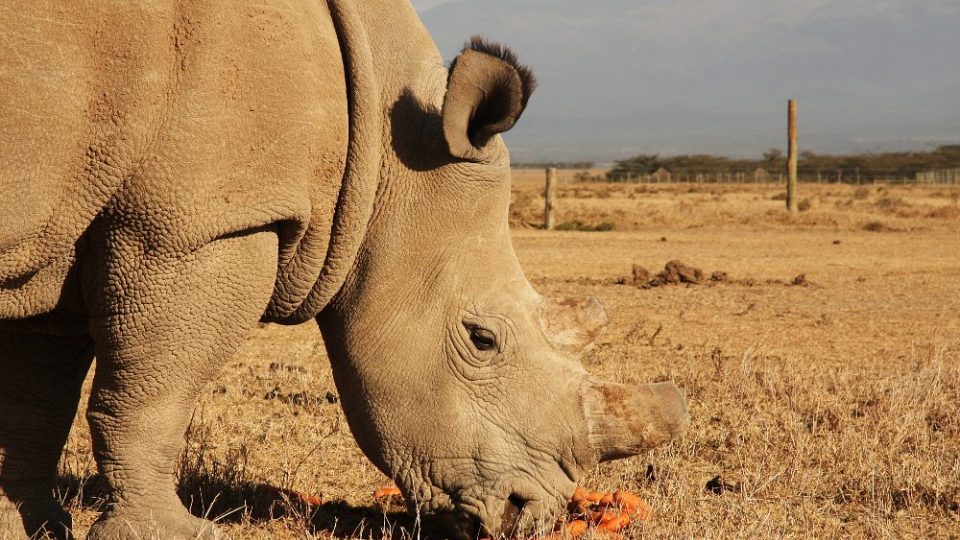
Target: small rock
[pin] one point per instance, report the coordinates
(719, 485)
(650, 476)
(272, 394)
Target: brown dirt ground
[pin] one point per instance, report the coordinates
(830, 409)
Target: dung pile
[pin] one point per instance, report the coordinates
(673, 273)
(678, 273)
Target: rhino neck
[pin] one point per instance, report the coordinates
(358, 186)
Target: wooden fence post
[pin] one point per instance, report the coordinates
(548, 196)
(792, 155)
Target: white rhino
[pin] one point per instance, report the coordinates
(174, 172)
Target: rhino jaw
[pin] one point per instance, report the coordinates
(624, 420)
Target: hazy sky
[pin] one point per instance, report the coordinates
(620, 77)
(427, 4)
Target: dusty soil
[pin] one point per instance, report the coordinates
(824, 408)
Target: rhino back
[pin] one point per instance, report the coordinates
(192, 119)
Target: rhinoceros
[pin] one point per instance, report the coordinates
(174, 172)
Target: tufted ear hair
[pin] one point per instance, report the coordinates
(487, 91)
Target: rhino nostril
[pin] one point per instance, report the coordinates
(517, 501)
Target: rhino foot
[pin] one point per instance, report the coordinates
(169, 525)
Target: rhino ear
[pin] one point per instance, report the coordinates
(487, 91)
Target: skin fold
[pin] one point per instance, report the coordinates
(183, 171)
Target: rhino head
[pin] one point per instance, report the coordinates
(458, 380)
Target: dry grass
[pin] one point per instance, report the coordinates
(630, 207)
(830, 409)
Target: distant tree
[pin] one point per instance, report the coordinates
(773, 159)
(833, 167)
(952, 150)
(855, 168)
(557, 164)
(634, 166)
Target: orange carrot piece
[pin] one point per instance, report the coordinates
(633, 504)
(594, 496)
(383, 493)
(576, 528)
(608, 512)
(615, 523)
(312, 500)
(602, 516)
(626, 500)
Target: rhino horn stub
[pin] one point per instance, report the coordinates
(592, 316)
(487, 91)
(624, 420)
(572, 325)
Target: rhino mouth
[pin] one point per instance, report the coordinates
(496, 517)
(458, 524)
(466, 524)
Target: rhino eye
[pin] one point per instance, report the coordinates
(482, 339)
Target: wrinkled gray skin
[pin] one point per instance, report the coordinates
(178, 173)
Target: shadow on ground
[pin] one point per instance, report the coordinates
(227, 500)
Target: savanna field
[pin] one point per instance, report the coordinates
(819, 352)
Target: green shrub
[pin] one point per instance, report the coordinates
(577, 225)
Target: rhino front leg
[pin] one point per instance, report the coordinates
(165, 327)
(40, 379)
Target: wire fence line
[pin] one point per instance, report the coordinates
(944, 176)
(940, 177)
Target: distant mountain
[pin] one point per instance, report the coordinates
(620, 77)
